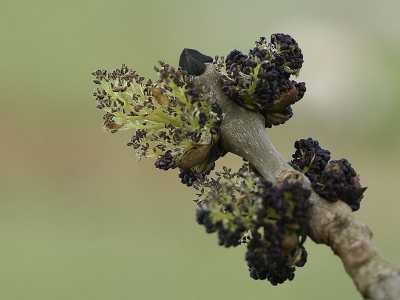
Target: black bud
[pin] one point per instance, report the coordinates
(193, 62)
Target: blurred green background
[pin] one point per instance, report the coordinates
(80, 218)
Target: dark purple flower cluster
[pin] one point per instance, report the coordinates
(288, 49)
(309, 157)
(236, 60)
(274, 244)
(272, 220)
(203, 218)
(165, 161)
(334, 180)
(301, 89)
(288, 196)
(235, 63)
(189, 176)
(340, 181)
(271, 197)
(229, 233)
(261, 79)
(265, 263)
(272, 82)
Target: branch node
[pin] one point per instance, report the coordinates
(359, 252)
(290, 175)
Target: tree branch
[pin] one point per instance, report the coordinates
(331, 223)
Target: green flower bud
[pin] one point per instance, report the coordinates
(174, 120)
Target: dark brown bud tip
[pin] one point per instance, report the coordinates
(193, 62)
(357, 195)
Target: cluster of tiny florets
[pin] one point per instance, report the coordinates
(334, 180)
(261, 80)
(174, 121)
(309, 157)
(189, 176)
(340, 181)
(268, 264)
(244, 208)
(288, 50)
